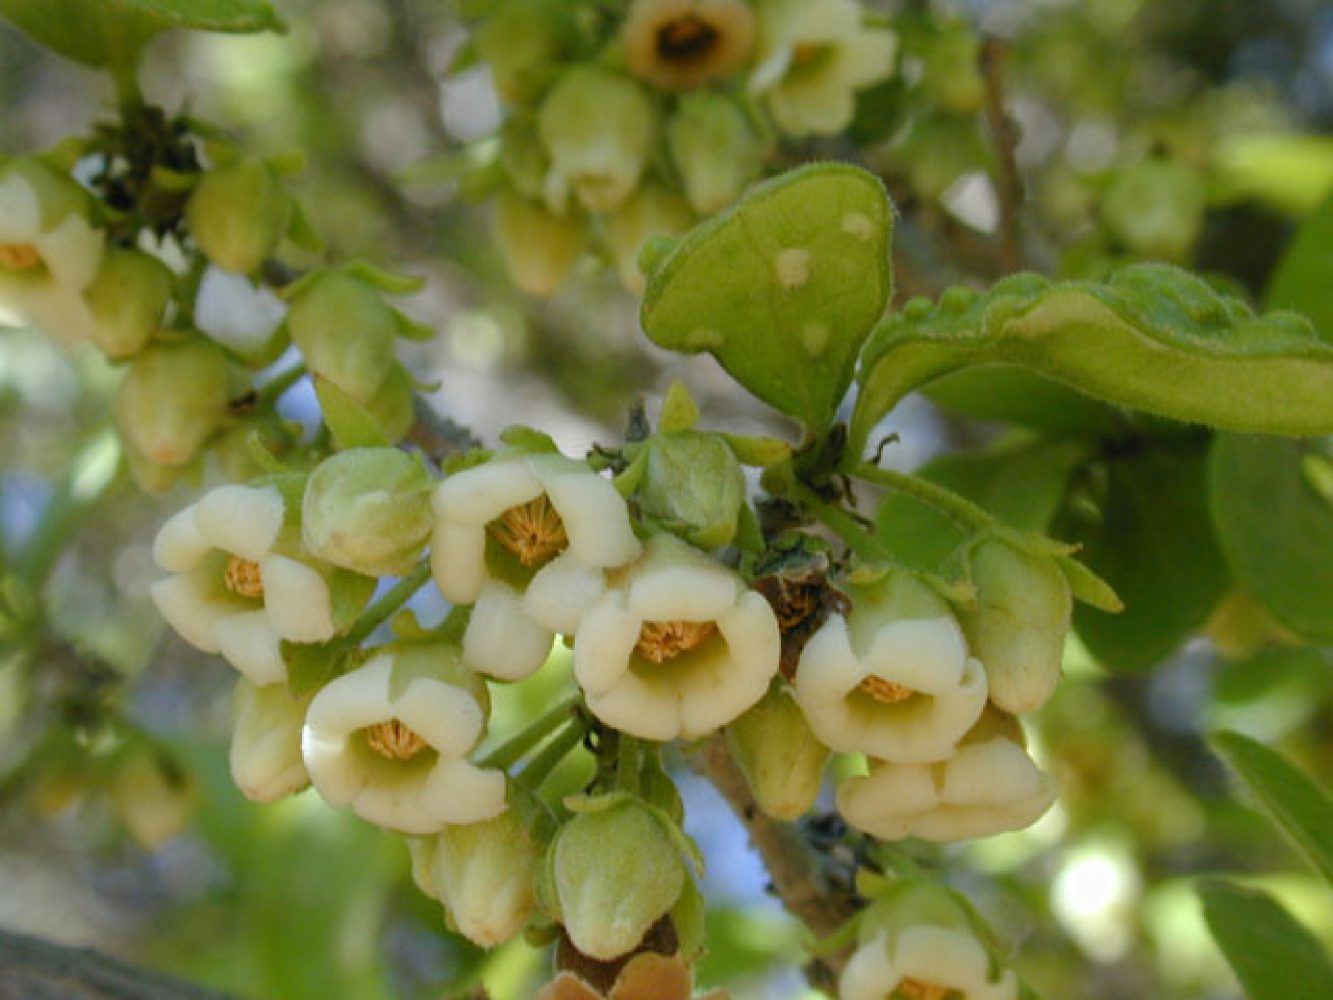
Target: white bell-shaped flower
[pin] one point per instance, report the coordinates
(525, 540)
(49, 252)
(893, 679)
(392, 748)
(265, 752)
(229, 591)
(814, 57)
(924, 960)
(678, 648)
(988, 786)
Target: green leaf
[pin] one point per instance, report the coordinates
(1301, 279)
(350, 423)
(1154, 546)
(1273, 956)
(1151, 338)
(782, 288)
(237, 16)
(1295, 803)
(1276, 528)
(1022, 485)
(1016, 396)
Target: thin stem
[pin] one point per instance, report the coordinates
(629, 763)
(960, 510)
(552, 754)
(517, 746)
(1009, 186)
(375, 615)
(846, 527)
(270, 392)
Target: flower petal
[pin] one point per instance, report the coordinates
(247, 641)
(296, 599)
(184, 603)
(179, 545)
(501, 641)
(562, 592)
(241, 520)
(458, 559)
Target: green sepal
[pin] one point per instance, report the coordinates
(350, 423)
(1088, 587)
(529, 440)
(311, 665)
(679, 410)
(349, 593)
(385, 281)
(410, 329)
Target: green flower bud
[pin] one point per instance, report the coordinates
(715, 148)
(539, 247)
(615, 872)
(1018, 626)
(153, 796)
(485, 875)
(346, 332)
(368, 510)
(951, 69)
(522, 42)
(238, 214)
(598, 127)
(652, 211)
(128, 298)
(1156, 209)
(692, 486)
(523, 156)
(173, 399)
(781, 757)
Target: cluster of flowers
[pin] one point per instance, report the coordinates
(628, 125)
(189, 314)
(669, 642)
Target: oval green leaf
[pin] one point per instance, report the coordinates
(782, 288)
(1151, 337)
(1273, 956)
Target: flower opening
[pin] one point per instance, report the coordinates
(243, 577)
(532, 531)
(664, 641)
(394, 739)
(19, 256)
(679, 44)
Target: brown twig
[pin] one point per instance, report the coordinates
(1010, 185)
(795, 869)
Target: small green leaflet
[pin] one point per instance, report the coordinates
(1151, 338)
(1295, 803)
(1273, 956)
(782, 288)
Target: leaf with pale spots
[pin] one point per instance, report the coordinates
(806, 263)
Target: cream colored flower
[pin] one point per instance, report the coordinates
(394, 752)
(814, 57)
(525, 540)
(230, 591)
(678, 44)
(265, 752)
(49, 253)
(988, 786)
(680, 647)
(924, 962)
(892, 686)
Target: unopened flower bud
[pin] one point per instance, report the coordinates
(715, 148)
(1018, 626)
(172, 400)
(368, 510)
(781, 757)
(345, 331)
(265, 754)
(598, 127)
(616, 871)
(539, 247)
(521, 42)
(651, 211)
(693, 486)
(152, 795)
(128, 298)
(238, 214)
(951, 69)
(485, 875)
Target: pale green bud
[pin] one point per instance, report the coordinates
(485, 874)
(598, 127)
(346, 332)
(128, 298)
(615, 872)
(522, 42)
(539, 247)
(692, 486)
(715, 148)
(368, 510)
(781, 757)
(1156, 209)
(1018, 626)
(523, 156)
(153, 796)
(951, 69)
(238, 214)
(652, 211)
(173, 398)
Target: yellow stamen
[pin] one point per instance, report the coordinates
(662, 641)
(807, 52)
(885, 692)
(917, 989)
(242, 577)
(394, 740)
(686, 39)
(19, 256)
(532, 531)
